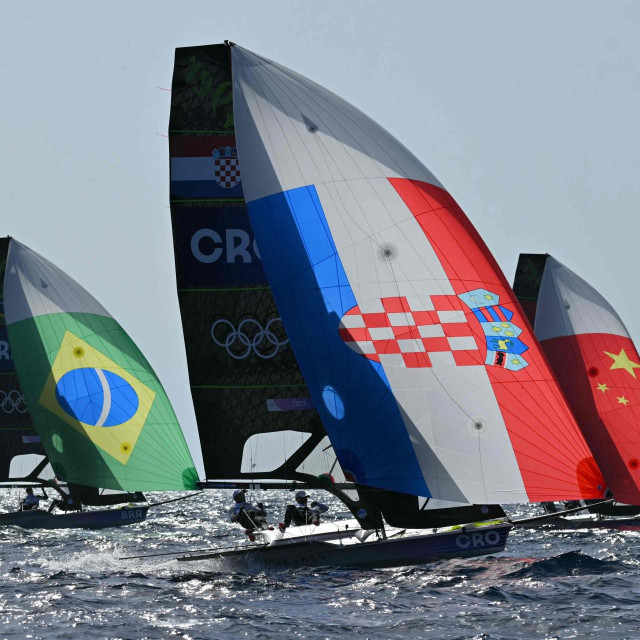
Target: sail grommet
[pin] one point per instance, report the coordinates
(312, 127)
(477, 424)
(387, 252)
(634, 463)
(593, 371)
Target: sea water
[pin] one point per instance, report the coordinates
(76, 584)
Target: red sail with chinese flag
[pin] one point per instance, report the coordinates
(595, 362)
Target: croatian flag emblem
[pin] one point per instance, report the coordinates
(504, 348)
(412, 332)
(204, 167)
(226, 169)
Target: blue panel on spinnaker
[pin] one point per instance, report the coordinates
(81, 393)
(351, 393)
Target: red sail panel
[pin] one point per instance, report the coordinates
(595, 362)
(599, 376)
(553, 457)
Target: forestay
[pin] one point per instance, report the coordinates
(427, 377)
(595, 362)
(101, 413)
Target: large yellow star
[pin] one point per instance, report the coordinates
(621, 361)
(603, 387)
(623, 400)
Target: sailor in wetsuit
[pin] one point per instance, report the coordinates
(250, 516)
(30, 501)
(299, 513)
(67, 501)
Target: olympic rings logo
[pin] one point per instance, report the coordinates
(249, 337)
(12, 401)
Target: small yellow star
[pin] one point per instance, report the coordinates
(603, 387)
(623, 400)
(488, 296)
(515, 361)
(621, 361)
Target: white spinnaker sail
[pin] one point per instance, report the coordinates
(427, 377)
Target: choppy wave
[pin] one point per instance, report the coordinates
(77, 584)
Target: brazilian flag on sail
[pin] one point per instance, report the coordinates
(100, 410)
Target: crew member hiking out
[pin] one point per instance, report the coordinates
(299, 513)
(247, 515)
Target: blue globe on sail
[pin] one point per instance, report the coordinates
(97, 397)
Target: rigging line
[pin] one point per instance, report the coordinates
(549, 516)
(192, 495)
(177, 553)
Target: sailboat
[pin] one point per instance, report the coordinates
(346, 327)
(596, 362)
(98, 410)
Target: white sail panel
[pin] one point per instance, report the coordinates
(316, 136)
(567, 306)
(36, 287)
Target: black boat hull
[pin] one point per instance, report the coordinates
(394, 552)
(98, 519)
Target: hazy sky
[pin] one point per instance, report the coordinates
(528, 113)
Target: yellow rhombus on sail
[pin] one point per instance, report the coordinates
(117, 440)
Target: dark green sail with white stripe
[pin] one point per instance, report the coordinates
(101, 413)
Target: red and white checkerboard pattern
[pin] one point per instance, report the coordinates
(414, 329)
(227, 172)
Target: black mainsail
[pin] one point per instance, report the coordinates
(254, 411)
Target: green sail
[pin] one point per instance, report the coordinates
(101, 413)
